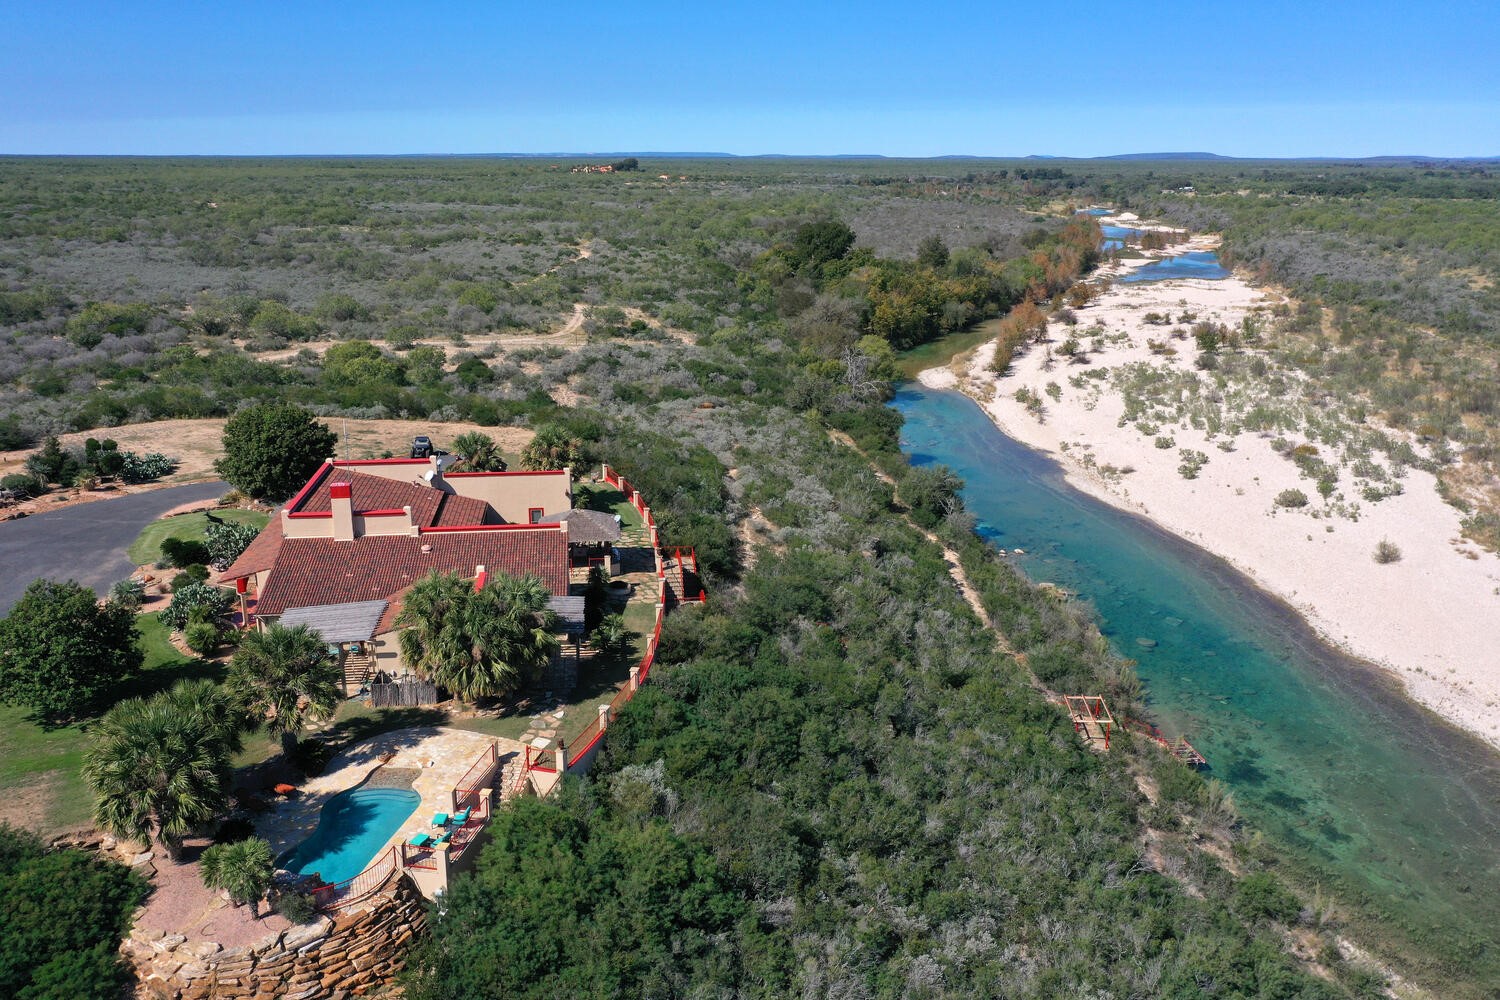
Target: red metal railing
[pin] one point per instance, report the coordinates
(361, 886)
(417, 857)
(545, 760)
(465, 835)
(1179, 748)
(479, 776)
(538, 759)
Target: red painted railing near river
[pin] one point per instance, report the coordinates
(578, 748)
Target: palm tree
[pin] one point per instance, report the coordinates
(553, 448)
(479, 452)
(159, 768)
(244, 868)
(213, 706)
(477, 643)
(286, 677)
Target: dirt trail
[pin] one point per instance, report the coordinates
(575, 322)
(569, 337)
(955, 568)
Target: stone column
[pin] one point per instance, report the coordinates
(440, 867)
(635, 679)
(603, 718)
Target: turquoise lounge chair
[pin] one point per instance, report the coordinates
(443, 839)
(420, 840)
(461, 818)
(439, 819)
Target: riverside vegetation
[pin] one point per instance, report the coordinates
(1394, 265)
(838, 783)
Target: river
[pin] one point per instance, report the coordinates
(1395, 811)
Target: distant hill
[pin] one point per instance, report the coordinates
(1165, 156)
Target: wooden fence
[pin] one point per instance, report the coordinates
(403, 694)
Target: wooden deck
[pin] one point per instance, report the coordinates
(1091, 719)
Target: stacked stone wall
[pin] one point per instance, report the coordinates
(334, 957)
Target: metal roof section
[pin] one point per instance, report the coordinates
(354, 622)
(569, 611)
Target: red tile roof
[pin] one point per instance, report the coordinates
(456, 511)
(313, 571)
(429, 506)
(260, 554)
(393, 608)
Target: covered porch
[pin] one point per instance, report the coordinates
(349, 630)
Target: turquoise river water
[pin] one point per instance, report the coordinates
(1197, 264)
(1391, 808)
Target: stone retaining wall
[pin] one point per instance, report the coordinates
(346, 954)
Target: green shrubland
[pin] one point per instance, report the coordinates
(836, 782)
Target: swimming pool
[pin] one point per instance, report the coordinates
(352, 827)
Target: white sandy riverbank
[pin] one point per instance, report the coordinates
(1429, 617)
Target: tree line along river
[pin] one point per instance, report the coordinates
(1388, 806)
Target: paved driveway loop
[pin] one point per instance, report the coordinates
(85, 542)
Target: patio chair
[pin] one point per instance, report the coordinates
(443, 839)
(439, 819)
(461, 818)
(420, 840)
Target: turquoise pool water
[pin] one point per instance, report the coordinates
(1198, 264)
(352, 827)
(1386, 805)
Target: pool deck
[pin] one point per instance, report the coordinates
(439, 757)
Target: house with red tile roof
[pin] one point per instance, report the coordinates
(341, 553)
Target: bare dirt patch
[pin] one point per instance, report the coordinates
(568, 337)
(197, 443)
(27, 805)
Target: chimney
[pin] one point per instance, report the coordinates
(480, 578)
(343, 512)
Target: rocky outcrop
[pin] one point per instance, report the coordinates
(339, 955)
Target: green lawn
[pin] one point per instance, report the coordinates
(354, 721)
(603, 497)
(146, 549)
(40, 784)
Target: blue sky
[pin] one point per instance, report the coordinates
(1080, 79)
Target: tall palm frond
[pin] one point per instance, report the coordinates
(286, 677)
(477, 644)
(158, 769)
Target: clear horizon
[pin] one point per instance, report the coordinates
(955, 79)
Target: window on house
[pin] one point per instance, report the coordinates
(535, 514)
